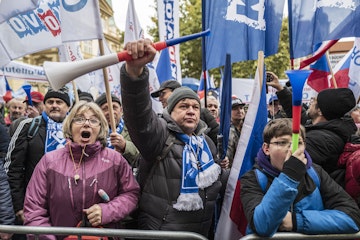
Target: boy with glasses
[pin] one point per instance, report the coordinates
(287, 192)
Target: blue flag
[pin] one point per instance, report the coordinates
(313, 22)
(242, 28)
(163, 68)
(225, 109)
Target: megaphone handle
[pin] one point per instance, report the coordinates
(124, 56)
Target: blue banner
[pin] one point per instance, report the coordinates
(313, 22)
(241, 28)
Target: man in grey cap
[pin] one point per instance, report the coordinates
(237, 120)
(178, 171)
(165, 90)
(119, 140)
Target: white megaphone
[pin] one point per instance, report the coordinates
(60, 73)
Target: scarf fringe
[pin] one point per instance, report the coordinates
(206, 178)
(188, 202)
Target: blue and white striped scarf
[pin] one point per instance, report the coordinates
(119, 130)
(198, 171)
(54, 134)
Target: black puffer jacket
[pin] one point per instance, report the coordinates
(149, 134)
(325, 141)
(7, 215)
(23, 155)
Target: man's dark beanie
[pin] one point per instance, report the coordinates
(179, 94)
(62, 94)
(335, 102)
(85, 96)
(102, 99)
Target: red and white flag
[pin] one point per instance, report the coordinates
(232, 221)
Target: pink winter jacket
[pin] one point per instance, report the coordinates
(350, 159)
(54, 198)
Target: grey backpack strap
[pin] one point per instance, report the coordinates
(34, 127)
(168, 144)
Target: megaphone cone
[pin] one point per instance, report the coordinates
(60, 73)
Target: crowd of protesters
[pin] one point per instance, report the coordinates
(63, 165)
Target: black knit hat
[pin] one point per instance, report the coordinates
(102, 99)
(85, 96)
(172, 84)
(334, 103)
(179, 94)
(62, 94)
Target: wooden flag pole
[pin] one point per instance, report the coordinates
(333, 80)
(107, 89)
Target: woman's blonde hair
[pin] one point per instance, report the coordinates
(79, 109)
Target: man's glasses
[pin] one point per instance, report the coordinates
(92, 121)
(284, 143)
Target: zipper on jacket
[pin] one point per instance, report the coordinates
(71, 193)
(95, 187)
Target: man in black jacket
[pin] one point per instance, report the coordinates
(171, 199)
(327, 129)
(31, 140)
(7, 216)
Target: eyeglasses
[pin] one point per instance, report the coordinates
(92, 121)
(284, 143)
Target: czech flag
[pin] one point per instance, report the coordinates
(318, 79)
(8, 95)
(232, 222)
(341, 71)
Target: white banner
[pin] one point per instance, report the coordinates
(242, 88)
(48, 26)
(9, 8)
(23, 71)
(168, 20)
(354, 69)
(133, 32)
(133, 29)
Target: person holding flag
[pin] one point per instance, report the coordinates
(287, 192)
